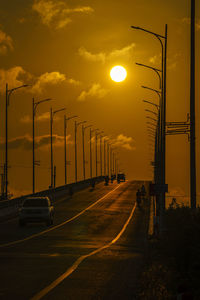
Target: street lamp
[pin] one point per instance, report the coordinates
(52, 113)
(34, 107)
(148, 117)
(97, 132)
(65, 143)
(75, 145)
(83, 142)
(152, 112)
(154, 69)
(8, 94)
(154, 104)
(161, 38)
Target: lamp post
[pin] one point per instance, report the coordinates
(104, 152)
(108, 168)
(83, 143)
(157, 71)
(152, 112)
(91, 151)
(75, 145)
(163, 42)
(34, 107)
(8, 94)
(52, 113)
(192, 110)
(97, 132)
(154, 104)
(65, 143)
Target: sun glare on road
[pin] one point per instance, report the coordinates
(118, 73)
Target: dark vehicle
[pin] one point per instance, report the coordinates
(36, 209)
(120, 177)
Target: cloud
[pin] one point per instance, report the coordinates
(45, 79)
(57, 14)
(95, 91)
(156, 59)
(25, 142)
(102, 56)
(6, 42)
(12, 76)
(122, 141)
(187, 21)
(172, 61)
(17, 76)
(39, 118)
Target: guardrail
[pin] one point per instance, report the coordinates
(53, 194)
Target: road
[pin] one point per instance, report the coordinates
(94, 250)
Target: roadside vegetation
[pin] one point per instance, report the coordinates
(173, 261)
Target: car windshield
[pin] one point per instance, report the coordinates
(36, 202)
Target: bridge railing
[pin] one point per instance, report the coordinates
(53, 193)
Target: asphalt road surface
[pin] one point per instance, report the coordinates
(94, 250)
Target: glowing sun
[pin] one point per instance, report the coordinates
(118, 73)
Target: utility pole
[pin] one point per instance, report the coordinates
(192, 111)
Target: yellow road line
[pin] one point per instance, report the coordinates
(69, 271)
(59, 225)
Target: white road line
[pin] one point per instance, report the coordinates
(59, 225)
(69, 271)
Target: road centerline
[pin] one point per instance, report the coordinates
(76, 264)
(61, 224)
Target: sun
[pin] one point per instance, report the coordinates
(118, 73)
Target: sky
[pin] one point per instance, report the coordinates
(65, 50)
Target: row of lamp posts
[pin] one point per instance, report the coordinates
(159, 123)
(113, 161)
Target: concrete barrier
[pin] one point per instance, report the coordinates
(10, 208)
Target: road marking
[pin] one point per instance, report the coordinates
(59, 225)
(75, 265)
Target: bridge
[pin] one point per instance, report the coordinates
(94, 250)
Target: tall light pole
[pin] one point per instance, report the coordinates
(97, 132)
(75, 145)
(8, 94)
(52, 113)
(163, 42)
(157, 71)
(65, 143)
(104, 152)
(192, 110)
(108, 168)
(83, 144)
(34, 107)
(154, 104)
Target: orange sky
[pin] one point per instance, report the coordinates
(66, 49)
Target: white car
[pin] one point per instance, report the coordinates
(36, 209)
